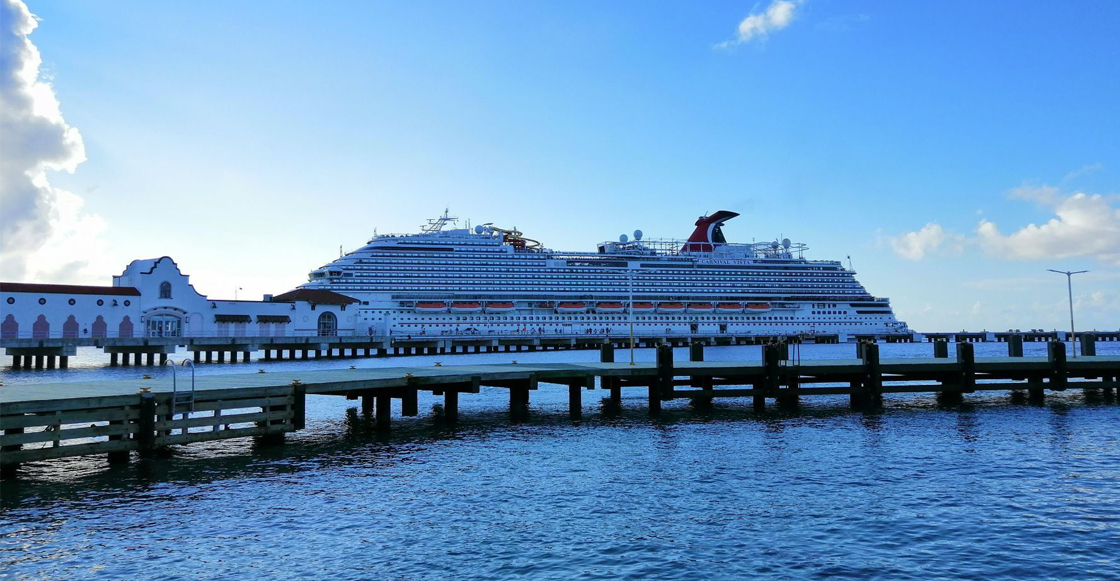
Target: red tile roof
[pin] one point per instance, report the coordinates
(317, 296)
(68, 289)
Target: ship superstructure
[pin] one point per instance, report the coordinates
(447, 280)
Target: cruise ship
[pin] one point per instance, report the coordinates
(451, 280)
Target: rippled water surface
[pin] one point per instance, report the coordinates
(988, 490)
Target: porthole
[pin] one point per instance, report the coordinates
(11, 300)
(100, 303)
(127, 303)
(72, 302)
(42, 301)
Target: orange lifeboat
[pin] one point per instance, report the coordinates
(643, 307)
(758, 307)
(431, 307)
(466, 307)
(571, 307)
(670, 307)
(500, 307)
(729, 307)
(701, 307)
(610, 307)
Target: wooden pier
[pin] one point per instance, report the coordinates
(116, 418)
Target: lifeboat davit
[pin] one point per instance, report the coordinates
(730, 307)
(642, 307)
(571, 307)
(757, 307)
(609, 307)
(500, 307)
(466, 307)
(701, 307)
(670, 307)
(431, 307)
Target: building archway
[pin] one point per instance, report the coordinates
(70, 327)
(9, 329)
(328, 324)
(41, 328)
(125, 328)
(164, 325)
(100, 327)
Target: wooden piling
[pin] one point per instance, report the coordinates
(409, 403)
(121, 457)
(1088, 343)
(146, 436)
(367, 403)
(941, 349)
(519, 399)
(664, 372)
(1056, 355)
(575, 401)
(1015, 345)
(299, 406)
(451, 405)
(703, 401)
(872, 376)
(384, 413)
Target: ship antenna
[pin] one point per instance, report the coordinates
(340, 251)
(850, 262)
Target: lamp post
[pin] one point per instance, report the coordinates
(1069, 285)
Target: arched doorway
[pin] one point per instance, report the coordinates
(328, 325)
(41, 328)
(164, 325)
(70, 327)
(100, 328)
(125, 328)
(9, 329)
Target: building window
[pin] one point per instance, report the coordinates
(165, 290)
(11, 300)
(127, 303)
(72, 302)
(42, 301)
(100, 303)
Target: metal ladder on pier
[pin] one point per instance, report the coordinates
(181, 399)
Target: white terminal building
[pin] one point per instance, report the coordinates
(486, 280)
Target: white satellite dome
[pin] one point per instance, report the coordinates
(786, 243)
(637, 235)
(623, 238)
(479, 229)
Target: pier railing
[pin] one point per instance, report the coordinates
(45, 421)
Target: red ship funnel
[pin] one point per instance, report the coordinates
(708, 232)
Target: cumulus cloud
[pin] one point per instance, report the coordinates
(42, 224)
(757, 26)
(917, 245)
(1083, 225)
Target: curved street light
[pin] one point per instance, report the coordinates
(1069, 285)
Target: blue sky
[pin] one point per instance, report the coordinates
(250, 140)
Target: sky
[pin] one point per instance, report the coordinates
(954, 150)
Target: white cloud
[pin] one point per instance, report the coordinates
(44, 227)
(1083, 170)
(932, 237)
(757, 26)
(1084, 225)
(1045, 195)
